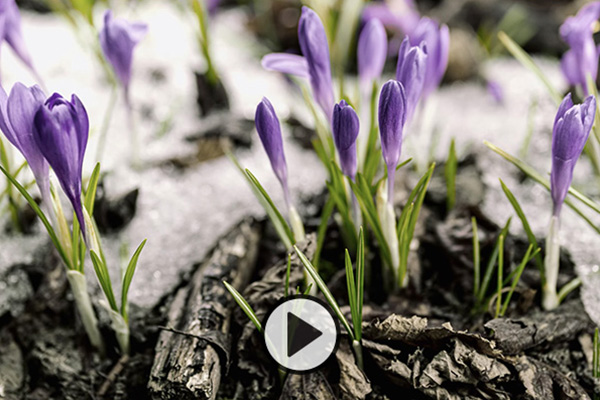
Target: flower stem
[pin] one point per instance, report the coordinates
(84, 307)
(358, 353)
(105, 124)
(551, 265)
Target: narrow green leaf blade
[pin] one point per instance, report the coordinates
(128, 277)
(239, 299)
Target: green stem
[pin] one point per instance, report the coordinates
(84, 307)
(106, 124)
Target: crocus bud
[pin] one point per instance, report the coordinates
(581, 60)
(371, 52)
(437, 41)
(17, 111)
(10, 30)
(392, 116)
(496, 91)
(410, 71)
(571, 130)
(60, 130)
(269, 131)
(315, 49)
(118, 38)
(345, 131)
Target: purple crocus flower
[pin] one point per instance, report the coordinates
(411, 71)
(17, 111)
(314, 46)
(345, 131)
(269, 131)
(437, 41)
(496, 91)
(10, 30)
(572, 127)
(118, 38)
(314, 62)
(371, 52)
(581, 59)
(392, 116)
(60, 130)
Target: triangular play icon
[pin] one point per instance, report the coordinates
(299, 334)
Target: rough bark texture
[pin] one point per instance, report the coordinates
(191, 356)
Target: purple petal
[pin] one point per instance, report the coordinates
(402, 17)
(345, 128)
(61, 131)
(269, 131)
(13, 34)
(372, 51)
(286, 63)
(571, 130)
(495, 90)
(437, 41)
(315, 49)
(411, 72)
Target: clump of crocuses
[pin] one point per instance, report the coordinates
(53, 132)
(572, 127)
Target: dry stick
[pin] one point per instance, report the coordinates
(112, 376)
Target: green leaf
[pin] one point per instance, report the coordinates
(323, 287)
(128, 277)
(450, 174)
(360, 285)
(287, 275)
(500, 278)
(322, 230)
(104, 280)
(526, 60)
(365, 200)
(533, 174)
(246, 308)
(492, 261)
(527, 228)
(350, 283)
(476, 258)
(528, 256)
(417, 196)
(568, 288)
(281, 226)
(90, 193)
(42, 217)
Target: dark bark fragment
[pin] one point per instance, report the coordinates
(312, 386)
(12, 367)
(516, 335)
(190, 366)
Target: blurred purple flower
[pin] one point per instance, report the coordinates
(269, 131)
(571, 130)
(437, 42)
(345, 128)
(392, 116)
(496, 91)
(118, 38)
(10, 30)
(212, 6)
(396, 15)
(314, 46)
(581, 59)
(371, 52)
(286, 63)
(410, 71)
(60, 130)
(17, 111)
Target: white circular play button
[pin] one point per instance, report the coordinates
(301, 333)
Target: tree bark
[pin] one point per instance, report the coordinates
(193, 352)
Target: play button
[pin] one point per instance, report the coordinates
(301, 333)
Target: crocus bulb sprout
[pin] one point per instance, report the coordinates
(572, 127)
